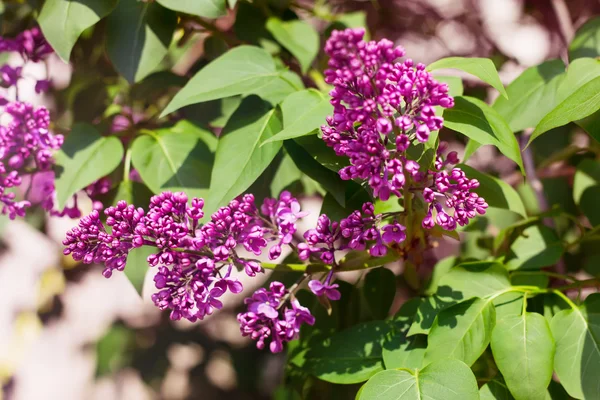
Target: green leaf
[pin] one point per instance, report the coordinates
(584, 102)
(287, 173)
(303, 113)
(138, 37)
(298, 37)
(577, 360)
(240, 159)
(462, 331)
(400, 350)
(441, 268)
(441, 380)
(241, 70)
(586, 189)
(279, 88)
(379, 290)
(114, 350)
(465, 281)
(63, 21)
(84, 158)
(175, 161)
(206, 136)
(201, 8)
(591, 124)
(523, 349)
(586, 42)
(483, 68)
(132, 192)
(330, 180)
(496, 193)
(480, 122)
(538, 246)
(350, 356)
(137, 266)
(495, 390)
(531, 96)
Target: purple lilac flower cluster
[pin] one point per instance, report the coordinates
(380, 105)
(451, 189)
(25, 142)
(194, 261)
(266, 317)
(353, 232)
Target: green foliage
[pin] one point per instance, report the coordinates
(137, 266)
(241, 70)
(176, 161)
(201, 8)
(138, 37)
(84, 158)
(577, 359)
(441, 380)
(63, 21)
(351, 356)
(587, 40)
(298, 37)
(482, 68)
(303, 113)
(240, 159)
(462, 331)
(523, 349)
(480, 122)
(531, 96)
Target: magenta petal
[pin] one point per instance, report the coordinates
(316, 287)
(267, 311)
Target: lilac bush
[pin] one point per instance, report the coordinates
(211, 172)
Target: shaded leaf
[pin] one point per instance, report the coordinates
(240, 159)
(586, 42)
(138, 37)
(399, 350)
(350, 356)
(137, 266)
(330, 180)
(462, 331)
(577, 360)
(84, 158)
(586, 189)
(175, 161)
(495, 390)
(379, 290)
